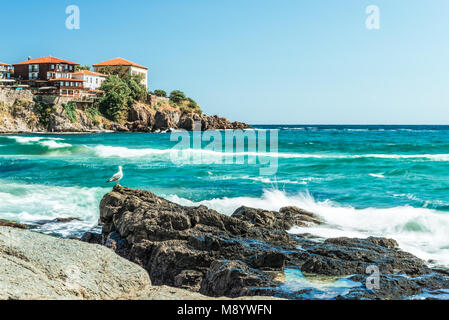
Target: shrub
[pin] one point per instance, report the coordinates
(192, 103)
(93, 113)
(177, 96)
(160, 93)
(45, 110)
(116, 100)
(138, 91)
(70, 110)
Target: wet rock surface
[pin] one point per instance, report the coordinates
(248, 253)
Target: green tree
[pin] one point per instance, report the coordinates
(120, 71)
(138, 90)
(160, 93)
(177, 96)
(116, 100)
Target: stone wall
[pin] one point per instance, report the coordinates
(154, 100)
(8, 96)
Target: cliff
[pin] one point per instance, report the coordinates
(22, 112)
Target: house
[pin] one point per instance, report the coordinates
(6, 74)
(49, 75)
(125, 65)
(91, 80)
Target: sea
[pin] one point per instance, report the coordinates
(376, 180)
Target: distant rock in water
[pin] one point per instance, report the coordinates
(245, 254)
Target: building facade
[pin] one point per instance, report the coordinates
(129, 67)
(91, 80)
(6, 74)
(49, 75)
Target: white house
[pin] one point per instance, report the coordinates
(130, 67)
(91, 80)
(6, 73)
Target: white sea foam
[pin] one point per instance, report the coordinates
(52, 144)
(25, 140)
(421, 231)
(49, 142)
(123, 152)
(377, 175)
(29, 203)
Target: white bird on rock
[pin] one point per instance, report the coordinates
(117, 177)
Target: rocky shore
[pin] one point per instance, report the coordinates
(151, 248)
(247, 254)
(40, 267)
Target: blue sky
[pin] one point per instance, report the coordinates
(260, 61)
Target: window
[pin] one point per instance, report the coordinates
(61, 83)
(66, 84)
(52, 67)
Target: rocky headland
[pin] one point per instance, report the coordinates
(23, 112)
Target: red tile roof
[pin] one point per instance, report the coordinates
(119, 62)
(66, 79)
(45, 60)
(4, 64)
(89, 73)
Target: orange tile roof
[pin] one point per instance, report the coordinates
(66, 79)
(89, 73)
(4, 64)
(45, 60)
(119, 62)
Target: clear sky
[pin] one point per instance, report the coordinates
(259, 61)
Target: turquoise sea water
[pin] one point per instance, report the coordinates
(388, 181)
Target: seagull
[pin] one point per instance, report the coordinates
(117, 177)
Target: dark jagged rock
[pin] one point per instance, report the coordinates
(118, 127)
(232, 279)
(166, 119)
(202, 250)
(285, 219)
(91, 237)
(345, 256)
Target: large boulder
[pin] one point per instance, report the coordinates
(166, 119)
(141, 113)
(36, 266)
